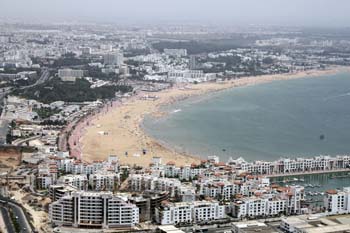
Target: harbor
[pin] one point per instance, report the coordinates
(316, 185)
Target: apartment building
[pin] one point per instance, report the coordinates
(298, 165)
(78, 181)
(93, 210)
(146, 182)
(104, 180)
(337, 202)
(271, 203)
(189, 212)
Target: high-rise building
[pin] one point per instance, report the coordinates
(192, 64)
(93, 209)
(116, 58)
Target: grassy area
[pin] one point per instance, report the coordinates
(79, 91)
(46, 112)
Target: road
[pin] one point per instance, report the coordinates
(45, 76)
(63, 137)
(7, 220)
(19, 142)
(21, 217)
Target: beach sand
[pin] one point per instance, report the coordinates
(119, 130)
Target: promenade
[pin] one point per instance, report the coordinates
(308, 173)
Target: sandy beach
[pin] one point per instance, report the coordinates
(117, 130)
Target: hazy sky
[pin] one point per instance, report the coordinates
(277, 12)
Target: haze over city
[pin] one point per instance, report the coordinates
(326, 13)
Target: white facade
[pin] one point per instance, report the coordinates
(91, 209)
(193, 212)
(78, 181)
(290, 166)
(67, 73)
(104, 180)
(176, 52)
(146, 182)
(286, 201)
(338, 202)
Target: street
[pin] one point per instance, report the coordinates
(7, 220)
(20, 216)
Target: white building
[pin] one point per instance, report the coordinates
(176, 52)
(189, 212)
(116, 58)
(338, 202)
(94, 210)
(70, 74)
(78, 181)
(104, 180)
(189, 76)
(147, 182)
(276, 202)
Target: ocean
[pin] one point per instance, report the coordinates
(294, 118)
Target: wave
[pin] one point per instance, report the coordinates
(177, 110)
(337, 96)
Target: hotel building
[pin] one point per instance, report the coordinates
(93, 210)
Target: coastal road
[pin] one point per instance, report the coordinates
(63, 137)
(6, 220)
(20, 215)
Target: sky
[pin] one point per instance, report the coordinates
(236, 12)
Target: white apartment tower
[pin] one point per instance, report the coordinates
(94, 210)
(115, 58)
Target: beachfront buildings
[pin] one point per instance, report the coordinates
(138, 183)
(189, 76)
(104, 180)
(189, 212)
(290, 166)
(93, 210)
(337, 202)
(224, 189)
(274, 202)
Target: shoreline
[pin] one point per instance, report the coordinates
(119, 129)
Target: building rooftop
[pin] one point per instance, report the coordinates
(253, 227)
